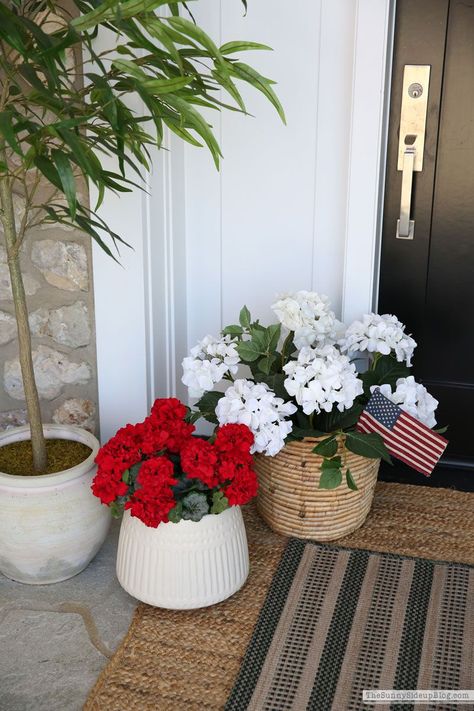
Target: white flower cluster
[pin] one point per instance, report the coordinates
(209, 361)
(379, 334)
(412, 397)
(322, 378)
(309, 316)
(255, 405)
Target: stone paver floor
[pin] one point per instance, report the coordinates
(55, 639)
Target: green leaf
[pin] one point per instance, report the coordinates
(252, 77)
(331, 476)
(245, 318)
(164, 86)
(219, 503)
(6, 130)
(367, 445)
(207, 405)
(242, 46)
(196, 33)
(273, 336)
(248, 351)
(327, 448)
(195, 506)
(266, 364)
(332, 463)
(111, 9)
(176, 514)
(63, 166)
(388, 370)
(116, 509)
(441, 430)
(302, 432)
(350, 481)
(232, 330)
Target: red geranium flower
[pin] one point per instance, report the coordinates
(167, 414)
(152, 502)
(198, 461)
(233, 438)
(243, 487)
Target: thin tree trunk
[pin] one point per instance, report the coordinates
(38, 442)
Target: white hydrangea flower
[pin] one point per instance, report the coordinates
(255, 405)
(379, 334)
(412, 397)
(210, 360)
(309, 316)
(321, 379)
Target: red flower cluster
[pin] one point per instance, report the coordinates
(152, 502)
(143, 464)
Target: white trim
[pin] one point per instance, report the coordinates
(371, 89)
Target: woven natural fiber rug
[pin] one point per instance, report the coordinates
(171, 661)
(337, 621)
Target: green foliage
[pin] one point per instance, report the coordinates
(207, 406)
(367, 445)
(244, 317)
(219, 502)
(386, 369)
(116, 509)
(59, 118)
(331, 474)
(176, 514)
(194, 506)
(350, 481)
(327, 447)
(260, 351)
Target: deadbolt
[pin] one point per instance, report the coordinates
(415, 90)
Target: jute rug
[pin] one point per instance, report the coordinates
(171, 661)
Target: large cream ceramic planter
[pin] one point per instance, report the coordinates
(51, 526)
(183, 565)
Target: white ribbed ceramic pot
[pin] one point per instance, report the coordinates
(183, 565)
(51, 526)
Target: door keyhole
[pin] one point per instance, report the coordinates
(415, 90)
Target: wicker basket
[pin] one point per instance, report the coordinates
(290, 501)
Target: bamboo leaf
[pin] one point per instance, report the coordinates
(252, 77)
(242, 46)
(164, 86)
(66, 175)
(7, 131)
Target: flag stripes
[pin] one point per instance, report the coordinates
(405, 437)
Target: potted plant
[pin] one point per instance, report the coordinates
(302, 399)
(58, 117)
(182, 540)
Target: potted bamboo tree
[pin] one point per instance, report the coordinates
(59, 115)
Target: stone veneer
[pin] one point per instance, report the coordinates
(56, 263)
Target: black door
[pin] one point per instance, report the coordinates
(428, 282)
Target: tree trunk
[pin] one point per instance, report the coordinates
(38, 442)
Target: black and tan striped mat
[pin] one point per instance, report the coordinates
(338, 621)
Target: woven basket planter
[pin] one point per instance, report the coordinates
(291, 502)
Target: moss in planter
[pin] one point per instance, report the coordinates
(17, 457)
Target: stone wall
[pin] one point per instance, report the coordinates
(56, 263)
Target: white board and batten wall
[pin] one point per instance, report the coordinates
(293, 207)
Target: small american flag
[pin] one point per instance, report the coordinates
(405, 437)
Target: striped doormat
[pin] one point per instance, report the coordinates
(337, 621)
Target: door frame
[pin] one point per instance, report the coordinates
(375, 29)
